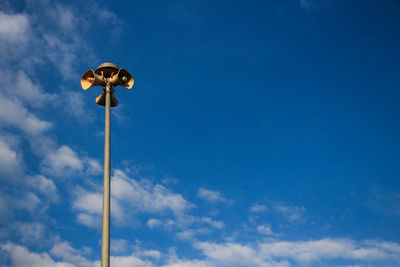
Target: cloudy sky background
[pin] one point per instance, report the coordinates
(261, 133)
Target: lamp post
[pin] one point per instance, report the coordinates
(109, 76)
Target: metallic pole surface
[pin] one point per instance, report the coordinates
(105, 239)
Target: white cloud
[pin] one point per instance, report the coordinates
(13, 113)
(62, 54)
(258, 208)
(183, 221)
(129, 261)
(30, 232)
(213, 223)
(61, 44)
(189, 234)
(43, 185)
(93, 166)
(130, 197)
(10, 161)
(88, 202)
(230, 254)
(43, 38)
(189, 263)
(21, 257)
(151, 253)
(33, 194)
(89, 206)
(75, 106)
(120, 246)
(40, 39)
(13, 28)
(307, 251)
(156, 223)
(29, 201)
(127, 198)
(146, 197)
(264, 229)
(90, 220)
(63, 250)
(211, 196)
(66, 18)
(24, 200)
(280, 253)
(65, 162)
(174, 261)
(276, 253)
(23, 87)
(17, 86)
(291, 213)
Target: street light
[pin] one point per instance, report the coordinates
(109, 76)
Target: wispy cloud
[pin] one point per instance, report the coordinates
(212, 196)
(20, 86)
(41, 36)
(31, 233)
(13, 113)
(63, 250)
(34, 195)
(189, 234)
(130, 196)
(147, 197)
(157, 223)
(291, 213)
(13, 27)
(65, 162)
(264, 229)
(270, 253)
(213, 223)
(234, 254)
(307, 251)
(20, 256)
(258, 208)
(10, 159)
(62, 160)
(280, 253)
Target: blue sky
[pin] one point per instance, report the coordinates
(258, 133)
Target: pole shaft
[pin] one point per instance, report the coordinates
(105, 238)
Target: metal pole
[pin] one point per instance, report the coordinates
(108, 75)
(105, 238)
